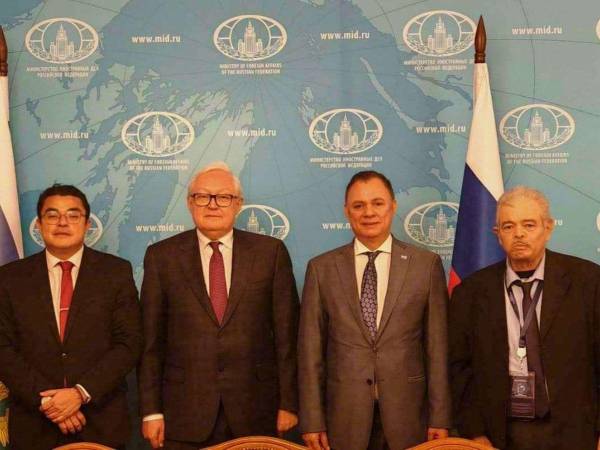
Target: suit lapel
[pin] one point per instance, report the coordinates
(398, 269)
(88, 273)
(43, 295)
(347, 274)
(243, 257)
(556, 285)
(191, 266)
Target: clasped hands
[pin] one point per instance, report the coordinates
(61, 406)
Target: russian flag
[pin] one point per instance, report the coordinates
(11, 241)
(475, 245)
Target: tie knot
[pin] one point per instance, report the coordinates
(215, 246)
(526, 286)
(66, 266)
(372, 256)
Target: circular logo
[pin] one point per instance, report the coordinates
(61, 40)
(537, 127)
(92, 235)
(263, 219)
(439, 33)
(345, 131)
(157, 134)
(250, 37)
(433, 224)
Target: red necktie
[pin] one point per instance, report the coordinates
(66, 294)
(218, 286)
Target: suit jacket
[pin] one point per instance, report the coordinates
(190, 364)
(569, 331)
(339, 361)
(102, 343)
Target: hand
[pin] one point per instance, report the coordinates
(63, 403)
(483, 440)
(285, 421)
(316, 441)
(436, 433)
(154, 432)
(73, 424)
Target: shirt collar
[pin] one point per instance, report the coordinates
(226, 240)
(511, 275)
(52, 260)
(385, 247)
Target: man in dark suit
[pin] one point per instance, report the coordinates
(220, 313)
(70, 331)
(372, 355)
(524, 339)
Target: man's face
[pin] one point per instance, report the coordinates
(523, 233)
(212, 220)
(370, 210)
(64, 238)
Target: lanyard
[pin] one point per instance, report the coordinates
(530, 313)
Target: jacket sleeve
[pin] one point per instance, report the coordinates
(285, 315)
(468, 415)
(312, 343)
(436, 332)
(154, 311)
(126, 340)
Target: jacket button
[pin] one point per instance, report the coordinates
(64, 356)
(369, 381)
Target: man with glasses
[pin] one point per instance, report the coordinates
(220, 314)
(525, 339)
(70, 331)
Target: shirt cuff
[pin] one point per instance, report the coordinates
(153, 417)
(86, 397)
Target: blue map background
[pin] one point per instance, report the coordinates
(375, 74)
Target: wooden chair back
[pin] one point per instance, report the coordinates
(83, 446)
(451, 444)
(257, 443)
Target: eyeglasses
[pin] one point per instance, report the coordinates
(53, 217)
(222, 200)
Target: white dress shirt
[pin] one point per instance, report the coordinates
(206, 252)
(55, 278)
(382, 265)
(517, 365)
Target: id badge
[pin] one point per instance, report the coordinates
(522, 396)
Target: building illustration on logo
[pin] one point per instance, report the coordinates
(263, 219)
(262, 37)
(536, 135)
(157, 134)
(92, 235)
(61, 40)
(250, 46)
(439, 33)
(62, 49)
(345, 140)
(433, 224)
(537, 127)
(357, 131)
(441, 41)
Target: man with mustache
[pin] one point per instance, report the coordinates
(524, 339)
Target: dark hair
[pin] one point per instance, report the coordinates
(367, 175)
(62, 190)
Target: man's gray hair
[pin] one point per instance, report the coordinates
(524, 192)
(217, 165)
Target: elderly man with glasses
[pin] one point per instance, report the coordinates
(70, 331)
(220, 314)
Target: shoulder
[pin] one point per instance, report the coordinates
(483, 278)
(256, 240)
(413, 250)
(330, 255)
(572, 264)
(22, 266)
(174, 242)
(93, 256)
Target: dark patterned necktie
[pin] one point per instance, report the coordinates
(534, 357)
(66, 295)
(218, 285)
(368, 294)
